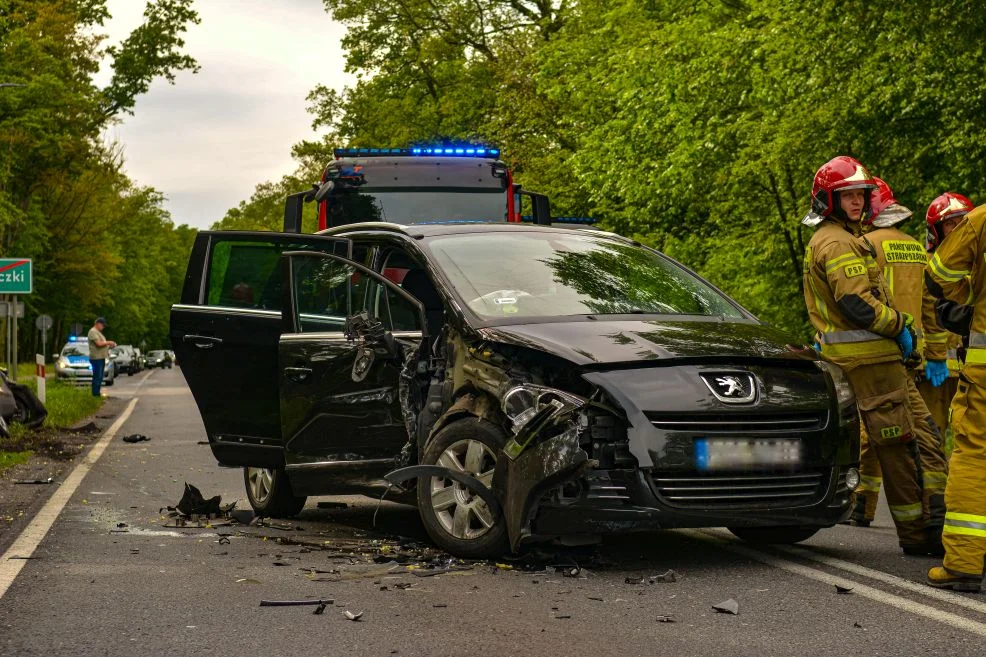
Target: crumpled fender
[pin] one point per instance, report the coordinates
(521, 482)
(469, 404)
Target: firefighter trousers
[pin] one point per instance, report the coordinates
(934, 470)
(883, 394)
(938, 401)
(964, 536)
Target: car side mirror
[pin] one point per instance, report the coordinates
(372, 340)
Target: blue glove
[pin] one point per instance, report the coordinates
(936, 371)
(906, 343)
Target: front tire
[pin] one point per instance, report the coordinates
(270, 494)
(773, 535)
(457, 520)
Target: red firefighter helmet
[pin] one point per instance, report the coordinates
(946, 206)
(885, 211)
(837, 175)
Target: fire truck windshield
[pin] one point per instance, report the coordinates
(411, 205)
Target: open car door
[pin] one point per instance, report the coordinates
(348, 359)
(225, 333)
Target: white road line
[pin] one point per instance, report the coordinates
(887, 578)
(878, 575)
(35, 532)
(878, 595)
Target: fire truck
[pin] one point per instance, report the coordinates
(418, 185)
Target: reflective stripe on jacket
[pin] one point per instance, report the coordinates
(955, 273)
(849, 302)
(903, 260)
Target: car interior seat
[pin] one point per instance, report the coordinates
(417, 284)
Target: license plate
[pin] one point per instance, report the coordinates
(741, 454)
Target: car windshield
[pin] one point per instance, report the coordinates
(76, 349)
(156, 354)
(410, 206)
(552, 274)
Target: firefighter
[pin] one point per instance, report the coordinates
(850, 306)
(902, 260)
(944, 214)
(956, 273)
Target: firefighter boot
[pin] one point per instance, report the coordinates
(943, 578)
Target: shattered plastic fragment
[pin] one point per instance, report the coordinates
(192, 502)
(728, 607)
(353, 617)
(665, 619)
(666, 578)
(843, 589)
(135, 438)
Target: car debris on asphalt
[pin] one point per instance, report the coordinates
(195, 508)
(319, 604)
(353, 617)
(844, 590)
(34, 481)
(135, 438)
(727, 607)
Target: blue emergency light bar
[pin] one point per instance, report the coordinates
(72, 338)
(445, 151)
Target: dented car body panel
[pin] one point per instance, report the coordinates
(644, 403)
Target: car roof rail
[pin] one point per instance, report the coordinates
(365, 225)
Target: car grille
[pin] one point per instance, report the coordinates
(734, 422)
(765, 490)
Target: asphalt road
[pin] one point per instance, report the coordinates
(93, 587)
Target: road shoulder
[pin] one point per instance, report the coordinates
(61, 450)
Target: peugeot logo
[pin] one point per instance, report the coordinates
(731, 387)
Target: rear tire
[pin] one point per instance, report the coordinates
(773, 535)
(270, 494)
(458, 521)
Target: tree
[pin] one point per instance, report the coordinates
(64, 199)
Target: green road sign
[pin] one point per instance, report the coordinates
(15, 276)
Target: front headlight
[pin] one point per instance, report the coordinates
(62, 362)
(522, 402)
(843, 390)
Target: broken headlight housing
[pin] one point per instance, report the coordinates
(536, 413)
(522, 402)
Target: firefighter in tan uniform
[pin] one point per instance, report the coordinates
(858, 329)
(943, 215)
(902, 260)
(956, 274)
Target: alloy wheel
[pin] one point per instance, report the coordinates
(261, 482)
(462, 513)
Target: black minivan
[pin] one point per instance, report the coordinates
(528, 382)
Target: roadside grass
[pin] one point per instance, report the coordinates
(67, 405)
(10, 459)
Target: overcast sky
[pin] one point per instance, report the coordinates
(209, 139)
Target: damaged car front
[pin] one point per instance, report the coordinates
(595, 386)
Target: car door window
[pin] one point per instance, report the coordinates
(244, 273)
(327, 291)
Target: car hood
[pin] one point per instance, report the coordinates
(604, 342)
(77, 360)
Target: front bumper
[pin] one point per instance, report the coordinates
(615, 501)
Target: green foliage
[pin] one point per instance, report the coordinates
(10, 459)
(100, 244)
